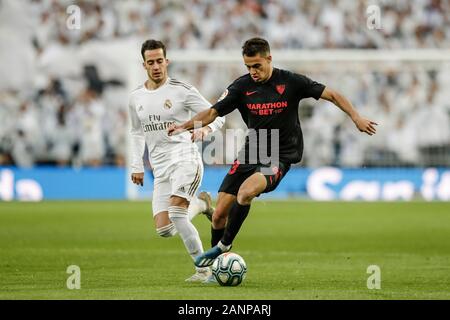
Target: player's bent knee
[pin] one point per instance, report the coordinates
(219, 217)
(220, 213)
(246, 196)
(167, 231)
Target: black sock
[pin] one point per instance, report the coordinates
(216, 235)
(236, 218)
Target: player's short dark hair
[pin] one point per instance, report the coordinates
(254, 46)
(152, 45)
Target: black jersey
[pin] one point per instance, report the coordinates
(271, 105)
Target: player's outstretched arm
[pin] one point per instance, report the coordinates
(201, 119)
(363, 125)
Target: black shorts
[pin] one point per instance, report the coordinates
(240, 172)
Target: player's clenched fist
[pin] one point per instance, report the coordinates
(138, 178)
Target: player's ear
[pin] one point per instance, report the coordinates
(269, 58)
(167, 61)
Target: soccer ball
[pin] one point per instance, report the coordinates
(229, 269)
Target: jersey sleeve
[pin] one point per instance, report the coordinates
(137, 140)
(308, 88)
(228, 101)
(197, 103)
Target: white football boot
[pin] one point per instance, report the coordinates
(201, 275)
(210, 279)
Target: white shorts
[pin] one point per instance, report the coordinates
(182, 179)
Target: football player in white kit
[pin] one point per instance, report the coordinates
(175, 160)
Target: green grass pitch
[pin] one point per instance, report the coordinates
(293, 250)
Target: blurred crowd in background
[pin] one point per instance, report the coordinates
(56, 108)
(216, 24)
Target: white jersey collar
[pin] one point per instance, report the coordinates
(154, 90)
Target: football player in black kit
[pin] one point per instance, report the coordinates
(268, 100)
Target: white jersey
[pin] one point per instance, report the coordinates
(152, 112)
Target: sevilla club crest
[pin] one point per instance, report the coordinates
(224, 94)
(280, 88)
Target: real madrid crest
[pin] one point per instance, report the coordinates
(167, 104)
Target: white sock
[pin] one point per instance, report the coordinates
(187, 231)
(167, 231)
(223, 247)
(195, 207)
